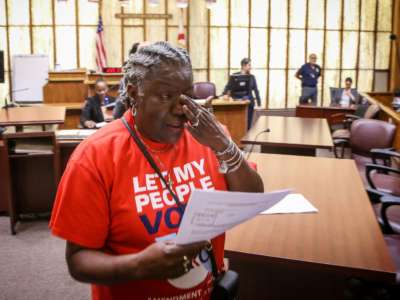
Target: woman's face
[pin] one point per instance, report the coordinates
(160, 115)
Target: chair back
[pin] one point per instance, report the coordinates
(332, 92)
(203, 90)
(371, 112)
(366, 134)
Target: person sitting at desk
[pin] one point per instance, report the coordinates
(92, 111)
(344, 96)
(236, 92)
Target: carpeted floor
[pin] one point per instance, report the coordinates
(32, 265)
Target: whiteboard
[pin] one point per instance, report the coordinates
(29, 75)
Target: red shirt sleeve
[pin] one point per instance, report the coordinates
(81, 209)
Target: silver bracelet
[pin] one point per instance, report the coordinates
(233, 157)
(235, 168)
(229, 149)
(224, 165)
(230, 165)
(227, 166)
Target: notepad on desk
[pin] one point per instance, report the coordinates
(74, 134)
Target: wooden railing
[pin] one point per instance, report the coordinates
(384, 100)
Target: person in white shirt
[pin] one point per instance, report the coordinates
(345, 96)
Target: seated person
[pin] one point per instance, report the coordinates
(244, 94)
(92, 111)
(344, 96)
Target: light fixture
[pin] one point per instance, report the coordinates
(182, 3)
(124, 3)
(154, 2)
(210, 3)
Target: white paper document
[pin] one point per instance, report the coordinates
(210, 213)
(292, 203)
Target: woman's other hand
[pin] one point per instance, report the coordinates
(90, 124)
(167, 260)
(160, 260)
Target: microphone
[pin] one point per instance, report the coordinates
(255, 139)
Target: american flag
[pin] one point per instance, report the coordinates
(101, 56)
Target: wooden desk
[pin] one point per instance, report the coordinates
(310, 111)
(32, 115)
(65, 149)
(289, 135)
(309, 256)
(73, 112)
(32, 177)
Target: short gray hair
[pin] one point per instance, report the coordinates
(148, 59)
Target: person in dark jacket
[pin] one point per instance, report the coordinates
(92, 112)
(309, 74)
(245, 95)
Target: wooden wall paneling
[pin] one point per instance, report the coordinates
(30, 26)
(268, 55)
(375, 42)
(249, 30)
(53, 29)
(341, 35)
(324, 56)
(122, 37)
(8, 48)
(306, 35)
(358, 42)
(395, 48)
(287, 55)
(166, 20)
(78, 59)
(229, 36)
(208, 44)
(188, 30)
(144, 21)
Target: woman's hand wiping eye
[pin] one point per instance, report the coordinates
(203, 125)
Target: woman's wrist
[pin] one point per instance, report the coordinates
(222, 145)
(230, 159)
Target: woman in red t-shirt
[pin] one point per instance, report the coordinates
(115, 213)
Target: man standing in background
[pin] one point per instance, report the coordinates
(309, 74)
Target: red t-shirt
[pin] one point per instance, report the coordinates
(110, 198)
